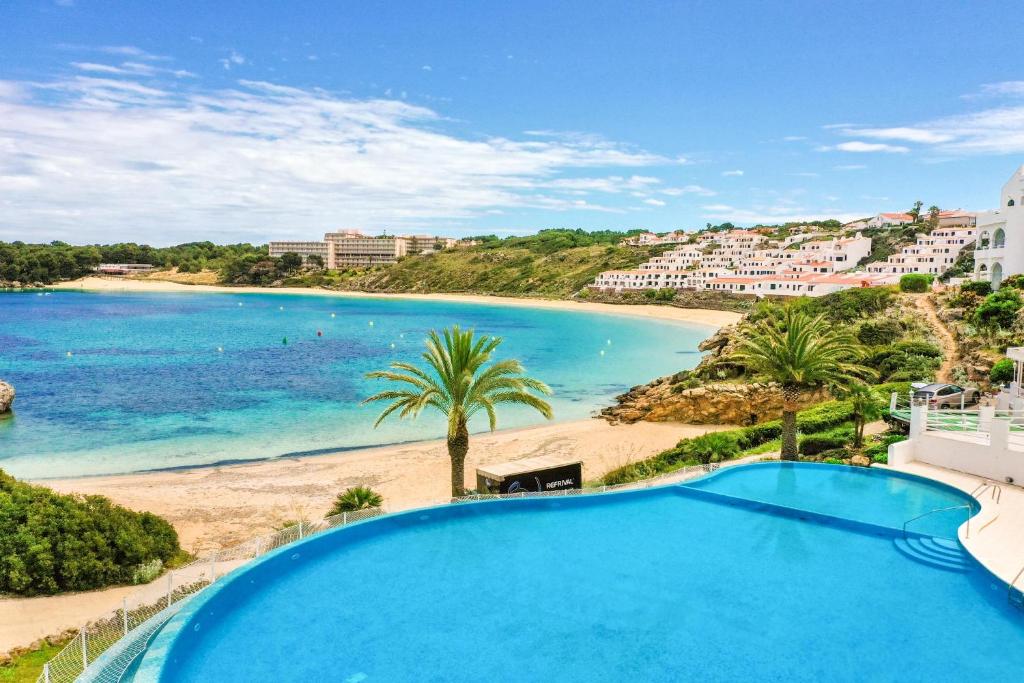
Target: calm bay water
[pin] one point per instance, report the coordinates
(173, 380)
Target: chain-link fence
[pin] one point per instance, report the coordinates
(120, 635)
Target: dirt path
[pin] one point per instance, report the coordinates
(950, 350)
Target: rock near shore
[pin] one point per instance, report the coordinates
(6, 397)
(716, 403)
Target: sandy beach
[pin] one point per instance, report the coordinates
(698, 316)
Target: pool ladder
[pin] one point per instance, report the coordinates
(931, 512)
(996, 490)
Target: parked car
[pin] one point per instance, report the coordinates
(948, 395)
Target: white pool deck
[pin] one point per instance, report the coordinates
(997, 532)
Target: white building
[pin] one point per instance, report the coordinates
(1000, 248)
(885, 220)
(351, 248)
(932, 254)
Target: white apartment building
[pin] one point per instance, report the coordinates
(931, 254)
(741, 261)
(1000, 234)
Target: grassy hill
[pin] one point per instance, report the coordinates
(505, 269)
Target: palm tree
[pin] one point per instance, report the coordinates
(800, 353)
(356, 498)
(456, 384)
(866, 406)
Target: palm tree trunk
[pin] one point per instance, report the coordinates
(790, 398)
(458, 447)
(858, 432)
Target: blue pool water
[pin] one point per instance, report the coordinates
(857, 494)
(654, 585)
(146, 387)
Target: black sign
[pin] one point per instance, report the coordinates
(553, 479)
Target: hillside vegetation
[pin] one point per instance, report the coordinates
(510, 270)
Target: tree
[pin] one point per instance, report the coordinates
(289, 262)
(915, 282)
(356, 498)
(865, 405)
(916, 211)
(456, 383)
(315, 260)
(800, 353)
(933, 217)
(999, 309)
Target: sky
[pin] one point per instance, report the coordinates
(235, 121)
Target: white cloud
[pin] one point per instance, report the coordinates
(901, 133)
(859, 146)
(1000, 89)
(233, 59)
(689, 189)
(654, 202)
(850, 167)
(794, 138)
(86, 159)
(737, 172)
(427, 67)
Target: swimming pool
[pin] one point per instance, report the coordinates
(670, 583)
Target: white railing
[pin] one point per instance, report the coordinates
(123, 633)
(120, 635)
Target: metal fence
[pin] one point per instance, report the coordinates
(120, 635)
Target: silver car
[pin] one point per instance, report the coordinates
(947, 395)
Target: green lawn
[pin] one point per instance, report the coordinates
(27, 667)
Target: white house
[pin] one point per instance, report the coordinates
(1000, 248)
(884, 220)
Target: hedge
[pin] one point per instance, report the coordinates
(813, 444)
(51, 542)
(915, 282)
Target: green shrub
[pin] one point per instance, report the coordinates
(1002, 371)
(51, 542)
(1015, 281)
(848, 305)
(878, 451)
(999, 309)
(977, 287)
(833, 461)
(356, 498)
(812, 444)
(915, 282)
(879, 332)
(834, 454)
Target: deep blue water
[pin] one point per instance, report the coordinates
(146, 387)
(648, 585)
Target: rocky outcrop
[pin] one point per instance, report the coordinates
(666, 400)
(6, 396)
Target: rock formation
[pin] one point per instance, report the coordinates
(664, 400)
(6, 396)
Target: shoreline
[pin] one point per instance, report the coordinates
(696, 316)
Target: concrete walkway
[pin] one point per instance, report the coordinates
(997, 532)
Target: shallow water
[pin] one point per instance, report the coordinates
(172, 380)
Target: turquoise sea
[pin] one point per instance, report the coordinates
(110, 383)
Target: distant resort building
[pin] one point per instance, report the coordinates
(1000, 248)
(888, 220)
(646, 239)
(353, 249)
